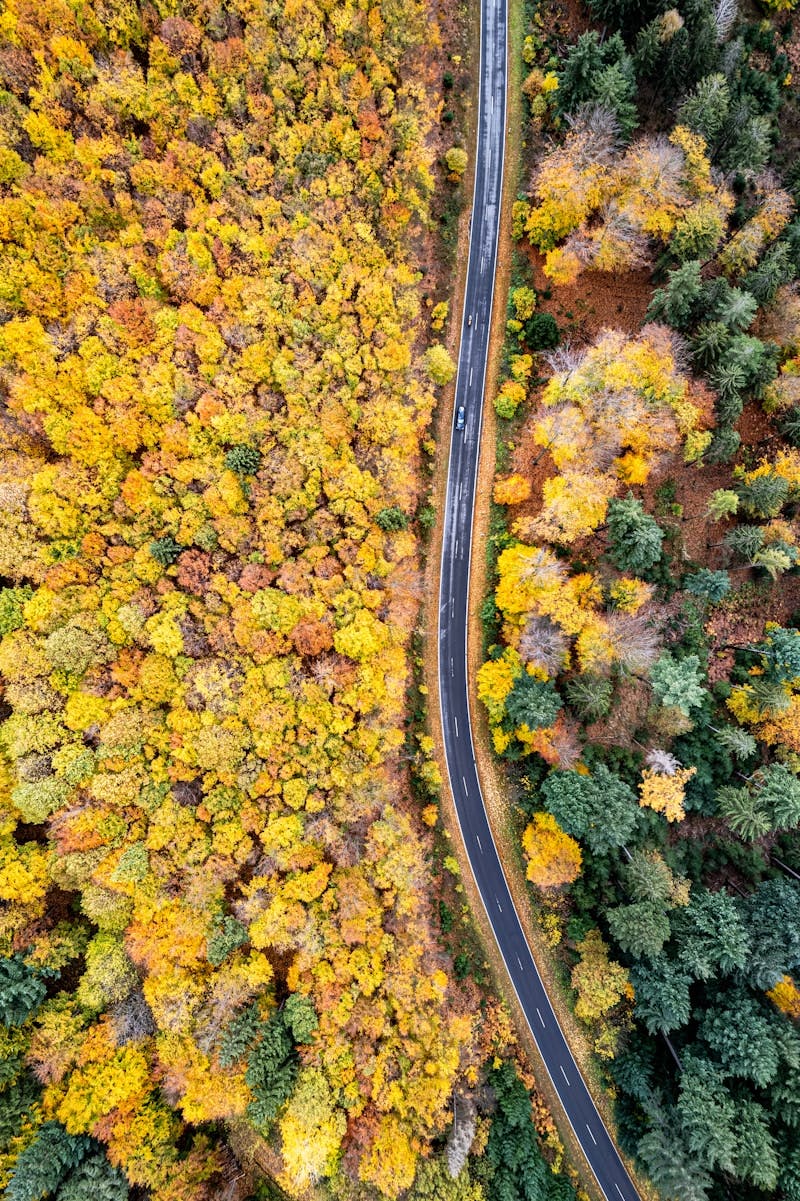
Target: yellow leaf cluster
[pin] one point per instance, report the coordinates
(599, 982)
(553, 857)
(595, 207)
(785, 995)
(625, 403)
(665, 793)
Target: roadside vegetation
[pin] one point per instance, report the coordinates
(235, 955)
(642, 672)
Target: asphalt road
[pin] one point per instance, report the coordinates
(597, 1146)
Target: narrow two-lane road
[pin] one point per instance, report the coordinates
(597, 1146)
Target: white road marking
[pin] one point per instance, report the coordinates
(466, 790)
(452, 666)
(478, 840)
(455, 719)
(452, 606)
(492, 134)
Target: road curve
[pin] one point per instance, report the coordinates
(587, 1124)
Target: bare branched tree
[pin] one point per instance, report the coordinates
(726, 13)
(565, 359)
(661, 762)
(543, 645)
(543, 567)
(617, 242)
(461, 1136)
(598, 128)
(567, 743)
(132, 1018)
(636, 644)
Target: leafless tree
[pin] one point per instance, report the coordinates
(598, 129)
(636, 644)
(661, 762)
(725, 15)
(565, 359)
(567, 743)
(132, 1019)
(461, 1136)
(543, 567)
(617, 241)
(543, 645)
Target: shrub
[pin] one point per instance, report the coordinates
(438, 364)
(456, 160)
(541, 332)
(508, 399)
(391, 519)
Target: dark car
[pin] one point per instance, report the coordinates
(460, 416)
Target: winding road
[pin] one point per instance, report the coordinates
(578, 1106)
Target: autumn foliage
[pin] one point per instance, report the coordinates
(786, 997)
(553, 857)
(608, 420)
(211, 394)
(597, 207)
(599, 982)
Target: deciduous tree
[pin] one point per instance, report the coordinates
(553, 857)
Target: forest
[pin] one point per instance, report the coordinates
(641, 676)
(220, 942)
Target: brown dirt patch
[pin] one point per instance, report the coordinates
(567, 20)
(597, 300)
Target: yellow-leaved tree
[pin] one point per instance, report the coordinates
(554, 858)
(595, 206)
(665, 792)
(609, 418)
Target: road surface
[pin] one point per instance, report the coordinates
(453, 607)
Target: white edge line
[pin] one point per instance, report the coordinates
(469, 573)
